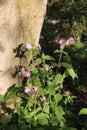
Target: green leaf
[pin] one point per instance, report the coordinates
(72, 73)
(59, 51)
(47, 57)
(6, 120)
(79, 45)
(42, 119)
(39, 61)
(1, 98)
(58, 79)
(51, 88)
(46, 109)
(35, 112)
(9, 95)
(83, 111)
(34, 70)
(28, 53)
(64, 64)
(41, 91)
(65, 74)
(42, 115)
(58, 98)
(59, 112)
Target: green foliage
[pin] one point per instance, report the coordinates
(1, 98)
(66, 18)
(6, 120)
(83, 111)
(58, 79)
(46, 97)
(42, 98)
(58, 97)
(72, 73)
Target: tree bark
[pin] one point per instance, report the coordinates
(20, 22)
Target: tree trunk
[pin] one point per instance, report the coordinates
(20, 22)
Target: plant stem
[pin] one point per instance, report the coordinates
(60, 56)
(61, 52)
(34, 106)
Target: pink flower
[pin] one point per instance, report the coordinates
(28, 46)
(43, 99)
(68, 92)
(71, 40)
(27, 74)
(62, 41)
(36, 64)
(27, 90)
(39, 46)
(35, 89)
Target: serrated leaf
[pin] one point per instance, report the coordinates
(35, 112)
(83, 111)
(58, 79)
(51, 88)
(39, 61)
(65, 74)
(34, 70)
(9, 95)
(42, 119)
(41, 91)
(47, 57)
(46, 109)
(72, 73)
(59, 112)
(58, 98)
(58, 51)
(64, 64)
(79, 45)
(42, 115)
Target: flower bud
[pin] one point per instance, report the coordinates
(27, 90)
(27, 74)
(29, 46)
(35, 89)
(43, 99)
(71, 40)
